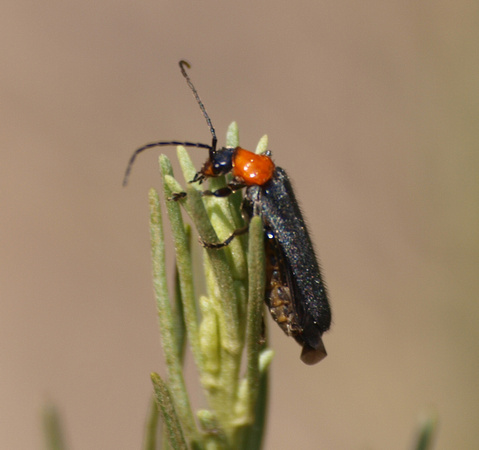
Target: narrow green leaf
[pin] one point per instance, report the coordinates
(257, 277)
(168, 413)
(252, 398)
(54, 438)
(179, 316)
(178, 310)
(232, 135)
(169, 339)
(183, 263)
(427, 432)
(254, 433)
(151, 433)
(262, 145)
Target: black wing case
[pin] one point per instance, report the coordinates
(290, 246)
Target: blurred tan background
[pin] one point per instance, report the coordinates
(373, 109)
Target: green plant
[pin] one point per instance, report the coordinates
(222, 328)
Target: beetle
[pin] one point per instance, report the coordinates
(295, 292)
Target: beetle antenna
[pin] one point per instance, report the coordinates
(182, 64)
(211, 148)
(158, 144)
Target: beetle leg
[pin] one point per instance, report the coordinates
(217, 245)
